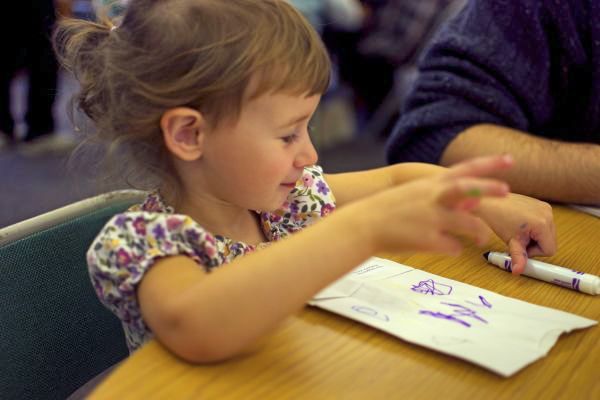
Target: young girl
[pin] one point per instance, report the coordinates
(212, 99)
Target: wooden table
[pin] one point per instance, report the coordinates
(318, 355)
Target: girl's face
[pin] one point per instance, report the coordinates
(255, 161)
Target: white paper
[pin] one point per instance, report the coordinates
(587, 209)
(496, 332)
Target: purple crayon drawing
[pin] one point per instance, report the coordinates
(484, 302)
(445, 316)
(463, 311)
(431, 287)
(371, 312)
(459, 312)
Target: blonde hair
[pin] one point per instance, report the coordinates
(193, 53)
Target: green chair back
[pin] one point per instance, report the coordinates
(55, 335)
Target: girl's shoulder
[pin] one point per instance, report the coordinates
(152, 230)
(311, 190)
(131, 242)
(152, 203)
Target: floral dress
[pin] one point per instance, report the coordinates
(131, 242)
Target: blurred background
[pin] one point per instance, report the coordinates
(374, 45)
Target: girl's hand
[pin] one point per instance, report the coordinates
(428, 214)
(524, 223)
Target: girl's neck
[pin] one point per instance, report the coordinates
(222, 218)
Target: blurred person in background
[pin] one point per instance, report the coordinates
(519, 77)
(335, 120)
(392, 35)
(113, 9)
(26, 45)
(347, 15)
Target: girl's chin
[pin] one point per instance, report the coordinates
(286, 189)
(275, 205)
(278, 200)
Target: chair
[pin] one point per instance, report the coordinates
(55, 335)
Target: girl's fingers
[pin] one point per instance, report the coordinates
(545, 239)
(446, 244)
(535, 250)
(541, 242)
(465, 224)
(465, 193)
(518, 255)
(480, 166)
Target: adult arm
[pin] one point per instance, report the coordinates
(544, 168)
(521, 65)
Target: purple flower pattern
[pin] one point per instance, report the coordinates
(131, 242)
(322, 187)
(140, 226)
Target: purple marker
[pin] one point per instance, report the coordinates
(571, 279)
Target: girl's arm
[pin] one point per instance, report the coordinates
(207, 317)
(525, 224)
(350, 186)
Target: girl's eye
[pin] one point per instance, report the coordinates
(290, 138)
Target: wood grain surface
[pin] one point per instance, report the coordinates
(318, 355)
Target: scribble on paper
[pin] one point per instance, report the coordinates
(459, 313)
(449, 317)
(371, 312)
(431, 287)
(483, 302)
(452, 317)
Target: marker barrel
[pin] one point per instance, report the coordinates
(568, 278)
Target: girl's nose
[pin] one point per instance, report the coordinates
(307, 155)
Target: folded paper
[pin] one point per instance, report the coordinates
(496, 332)
(593, 210)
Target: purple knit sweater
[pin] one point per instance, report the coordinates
(532, 65)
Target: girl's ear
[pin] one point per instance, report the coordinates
(183, 131)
